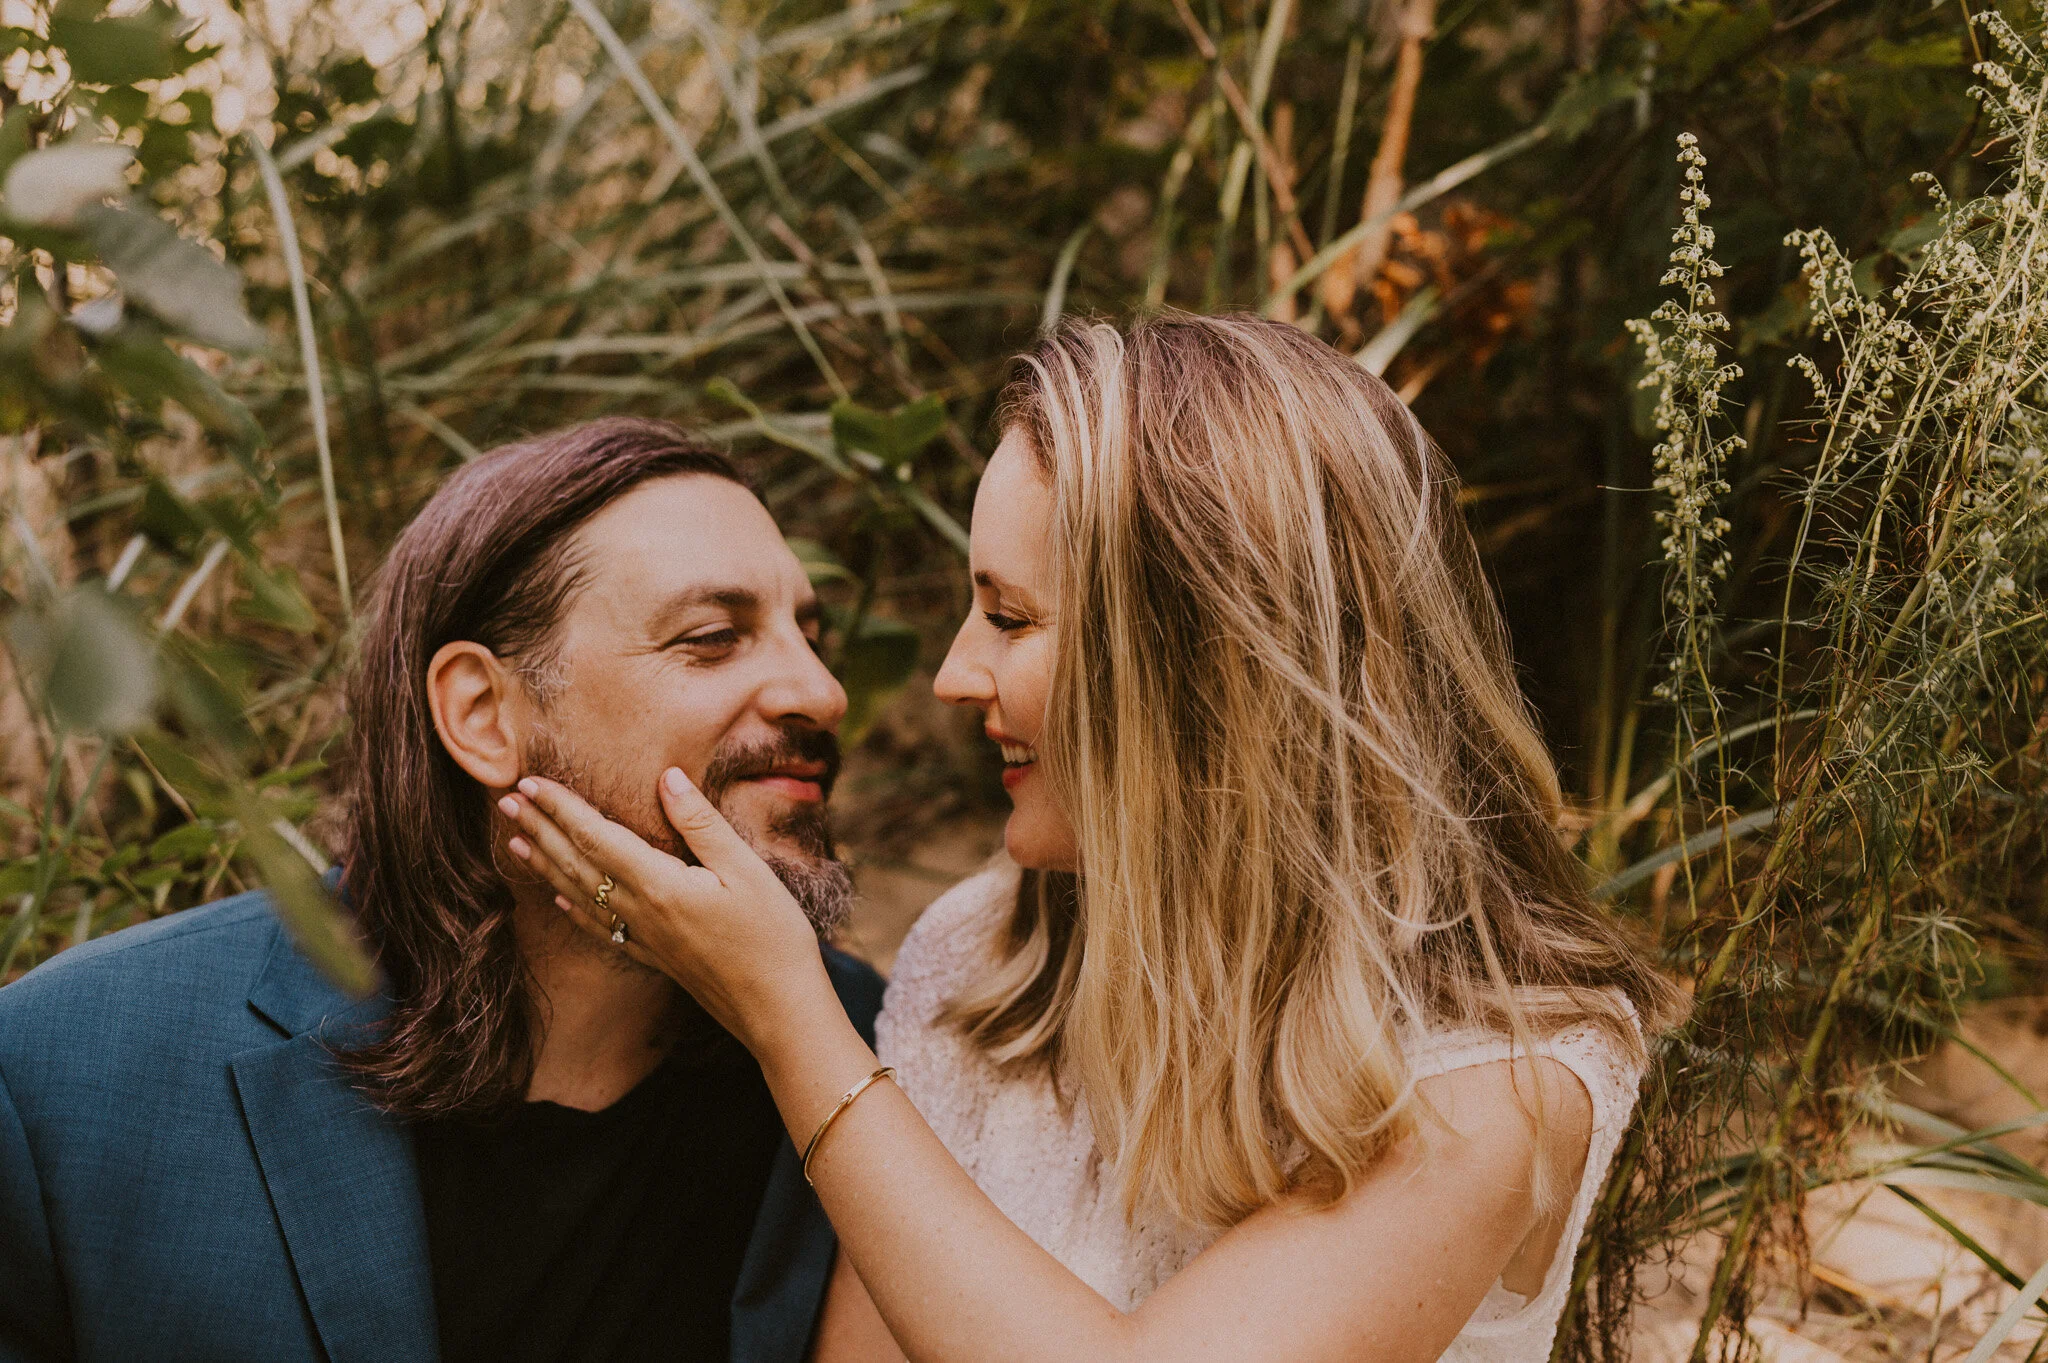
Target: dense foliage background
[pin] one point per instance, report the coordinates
(273, 269)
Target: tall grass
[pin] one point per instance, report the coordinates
(1808, 751)
(1867, 761)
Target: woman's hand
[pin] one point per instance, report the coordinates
(726, 930)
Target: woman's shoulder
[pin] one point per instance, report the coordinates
(1606, 1055)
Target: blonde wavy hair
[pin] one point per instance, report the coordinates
(1312, 807)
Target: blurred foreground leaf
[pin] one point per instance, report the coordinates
(896, 438)
(178, 280)
(89, 659)
(875, 662)
(51, 187)
(319, 926)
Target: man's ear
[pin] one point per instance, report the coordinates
(476, 712)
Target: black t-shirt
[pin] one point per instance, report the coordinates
(561, 1236)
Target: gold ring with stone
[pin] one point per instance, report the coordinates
(618, 930)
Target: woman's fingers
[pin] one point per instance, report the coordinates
(722, 850)
(612, 848)
(551, 851)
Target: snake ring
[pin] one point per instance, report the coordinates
(603, 900)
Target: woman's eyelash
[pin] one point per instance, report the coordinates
(1004, 623)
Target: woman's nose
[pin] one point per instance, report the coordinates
(962, 680)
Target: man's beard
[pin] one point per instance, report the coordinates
(814, 875)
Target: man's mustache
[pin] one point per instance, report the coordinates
(730, 766)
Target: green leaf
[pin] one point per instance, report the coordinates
(165, 148)
(168, 519)
(178, 280)
(352, 82)
(320, 928)
(205, 685)
(198, 784)
(275, 598)
(151, 373)
(188, 842)
(91, 661)
(873, 666)
(146, 45)
(19, 877)
(897, 437)
(1937, 50)
(16, 138)
(201, 105)
(1582, 101)
(125, 104)
(52, 187)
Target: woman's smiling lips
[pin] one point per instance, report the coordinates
(1019, 758)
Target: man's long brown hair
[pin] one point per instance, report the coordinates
(491, 559)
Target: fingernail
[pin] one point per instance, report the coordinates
(510, 806)
(528, 786)
(562, 903)
(677, 783)
(520, 849)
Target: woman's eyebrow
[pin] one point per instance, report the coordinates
(1001, 587)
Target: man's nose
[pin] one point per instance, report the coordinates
(803, 688)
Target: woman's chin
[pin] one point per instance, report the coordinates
(1036, 847)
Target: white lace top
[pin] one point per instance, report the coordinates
(1038, 1162)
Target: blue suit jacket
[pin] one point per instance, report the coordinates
(185, 1173)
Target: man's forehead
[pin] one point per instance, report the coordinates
(695, 533)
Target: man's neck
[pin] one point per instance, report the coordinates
(604, 1024)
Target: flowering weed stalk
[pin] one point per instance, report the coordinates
(1887, 745)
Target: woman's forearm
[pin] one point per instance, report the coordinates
(955, 1279)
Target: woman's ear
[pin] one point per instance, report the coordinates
(471, 693)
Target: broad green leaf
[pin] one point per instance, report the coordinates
(52, 187)
(164, 149)
(174, 762)
(275, 598)
(16, 129)
(90, 660)
(319, 926)
(146, 45)
(895, 437)
(168, 519)
(206, 686)
(125, 104)
(188, 842)
(873, 665)
(178, 280)
(151, 373)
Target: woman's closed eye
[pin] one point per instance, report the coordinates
(1007, 624)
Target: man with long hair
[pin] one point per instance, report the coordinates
(532, 1145)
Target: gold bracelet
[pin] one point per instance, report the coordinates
(886, 1072)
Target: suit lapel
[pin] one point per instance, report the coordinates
(789, 1258)
(340, 1174)
(782, 1278)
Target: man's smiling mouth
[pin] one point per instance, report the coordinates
(792, 780)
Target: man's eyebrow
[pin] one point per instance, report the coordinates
(809, 611)
(732, 598)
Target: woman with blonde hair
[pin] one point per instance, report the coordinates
(1285, 1028)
